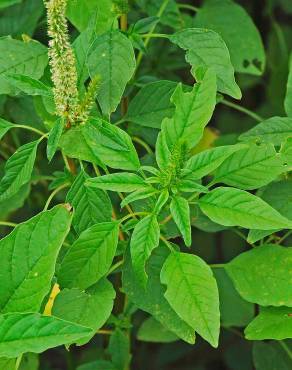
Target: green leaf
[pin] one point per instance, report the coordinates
(145, 25)
(90, 308)
(188, 185)
(111, 145)
(90, 256)
(143, 193)
(168, 11)
(122, 181)
(54, 138)
(29, 85)
(180, 211)
(112, 57)
(288, 97)
(193, 112)
(119, 349)
(161, 201)
(31, 332)
(144, 239)
(18, 170)
(82, 11)
(4, 127)
(205, 162)
(192, 292)
(229, 299)
(151, 299)
(271, 323)
(251, 167)
(260, 275)
(286, 151)
(153, 331)
(274, 130)
(162, 152)
(278, 356)
(234, 207)
(239, 32)
(28, 58)
(31, 249)
(206, 48)
(91, 205)
(152, 104)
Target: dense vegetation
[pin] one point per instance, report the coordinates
(145, 192)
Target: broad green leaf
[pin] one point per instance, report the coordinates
(205, 162)
(32, 332)
(80, 12)
(153, 331)
(7, 363)
(161, 201)
(288, 97)
(4, 127)
(144, 239)
(271, 356)
(234, 207)
(122, 181)
(28, 58)
(112, 57)
(145, 25)
(193, 112)
(90, 256)
(239, 32)
(31, 249)
(151, 299)
(18, 170)
(97, 365)
(152, 104)
(74, 144)
(54, 138)
(206, 48)
(229, 299)
(260, 275)
(162, 152)
(274, 130)
(271, 323)
(91, 205)
(90, 308)
(180, 211)
(21, 18)
(29, 85)
(112, 145)
(188, 185)
(119, 349)
(251, 167)
(15, 202)
(192, 292)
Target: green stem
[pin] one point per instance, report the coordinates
(242, 110)
(284, 237)
(143, 144)
(286, 349)
(29, 128)
(217, 265)
(56, 191)
(166, 242)
(148, 38)
(156, 35)
(18, 362)
(115, 266)
(131, 215)
(6, 223)
(189, 7)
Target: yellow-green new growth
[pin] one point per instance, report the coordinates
(62, 61)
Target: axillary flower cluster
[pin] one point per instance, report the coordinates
(63, 69)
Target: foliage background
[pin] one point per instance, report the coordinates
(261, 94)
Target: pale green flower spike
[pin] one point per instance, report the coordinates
(62, 62)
